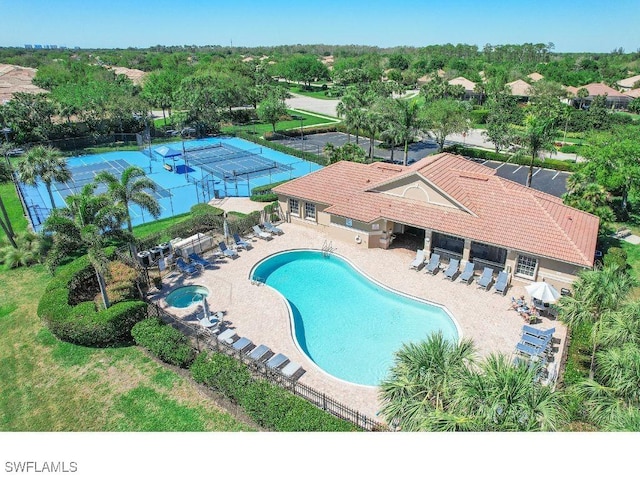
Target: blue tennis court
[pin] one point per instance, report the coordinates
(200, 171)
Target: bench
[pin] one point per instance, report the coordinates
(625, 232)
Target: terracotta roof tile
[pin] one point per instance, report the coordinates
(493, 210)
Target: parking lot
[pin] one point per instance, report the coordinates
(546, 180)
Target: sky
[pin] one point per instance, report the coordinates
(571, 25)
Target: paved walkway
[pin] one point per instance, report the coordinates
(261, 314)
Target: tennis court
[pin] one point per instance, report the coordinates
(205, 170)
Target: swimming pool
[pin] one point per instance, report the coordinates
(184, 297)
(347, 324)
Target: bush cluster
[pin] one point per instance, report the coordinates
(83, 323)
(164, 342)
(270, 406)
(203, 218)
(264, 194)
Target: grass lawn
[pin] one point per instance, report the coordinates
(49, 385)
(14, 209)
(155, 226)
(315, 92)
(261, 128)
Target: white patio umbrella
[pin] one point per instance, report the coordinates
(543, 291)
(225, 229)
(205, 307)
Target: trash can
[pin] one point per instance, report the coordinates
(144, 258)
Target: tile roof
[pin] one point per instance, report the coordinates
(467, 84)
(595, 89)
(492, 210)
(535, 76)
(629, 82)
(635, 93)
(519, 88)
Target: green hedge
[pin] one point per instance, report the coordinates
(479, 117)
(562, 165)
(270, 406)
(206, 209)
(83, 324)
(264, 193)
(310, 157)
(163, 341)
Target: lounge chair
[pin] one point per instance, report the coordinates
(292, 369)
(258, 231)
(418, 261)
(502, 283)
(536, 332)
(535, 341)
(529, 350)
(185, 267)
(240, 243)
(486, 279)
(468, 273)
(269, 227)
(434, 264)
(198, 260)
(227, 336)
(242, 345)
(226, 251)
(260, 353)
(277, 361)
(452, 269)
(209, 322)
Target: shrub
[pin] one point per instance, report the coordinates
(205, 209)
(479, 117)
(74, 318)
(616, 256)
(269, 405)
(562, 165)
(163, 341)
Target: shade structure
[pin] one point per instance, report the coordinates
(205, 307)
(543, 291)
(167, 152)
(225, 228)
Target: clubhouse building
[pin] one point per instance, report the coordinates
(449, 205)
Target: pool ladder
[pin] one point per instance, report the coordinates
(257, 281)
(327, 248)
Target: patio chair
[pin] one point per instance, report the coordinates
(502, 283)
(535, 341)
(198, 260)
(452, 269)
(260, 353)
(242, 345)
(292, 370)
(434, 264)
(536, 332)
(260, 233)
(277, 361)
(418, 261)
(185, 267)
(529, 350)
(269, 227)
(240, 243)
(468, 273)
(228, 336)
(226, 251)
(486, 279)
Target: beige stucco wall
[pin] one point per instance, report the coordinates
(415, 187)
(559, 274)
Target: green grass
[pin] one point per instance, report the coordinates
(14, 209)
(261, 128)
(49, 385)
(314, 92)
(155, 226)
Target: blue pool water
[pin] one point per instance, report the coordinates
(184, 297)
(347, 324)
(177, 190)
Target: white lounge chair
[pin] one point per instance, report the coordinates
(418, 261)
(502, 282)
(277, 361)
(486, 278)
(291, 369)
(260, 233)
(242, 345)
(452, 269)
(434, 264)
(240, 243)
(227, 336)
(260, 353)
(468, 273)
(269, 227)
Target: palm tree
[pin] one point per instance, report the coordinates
(46, 164)
(130, 188)
(596, 293)
(499, 396)
(538, 134)
(82, 225)
(408, 121)
(422, 380)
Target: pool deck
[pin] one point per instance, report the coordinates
(261, 314)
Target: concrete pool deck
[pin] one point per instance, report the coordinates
(261, 314)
